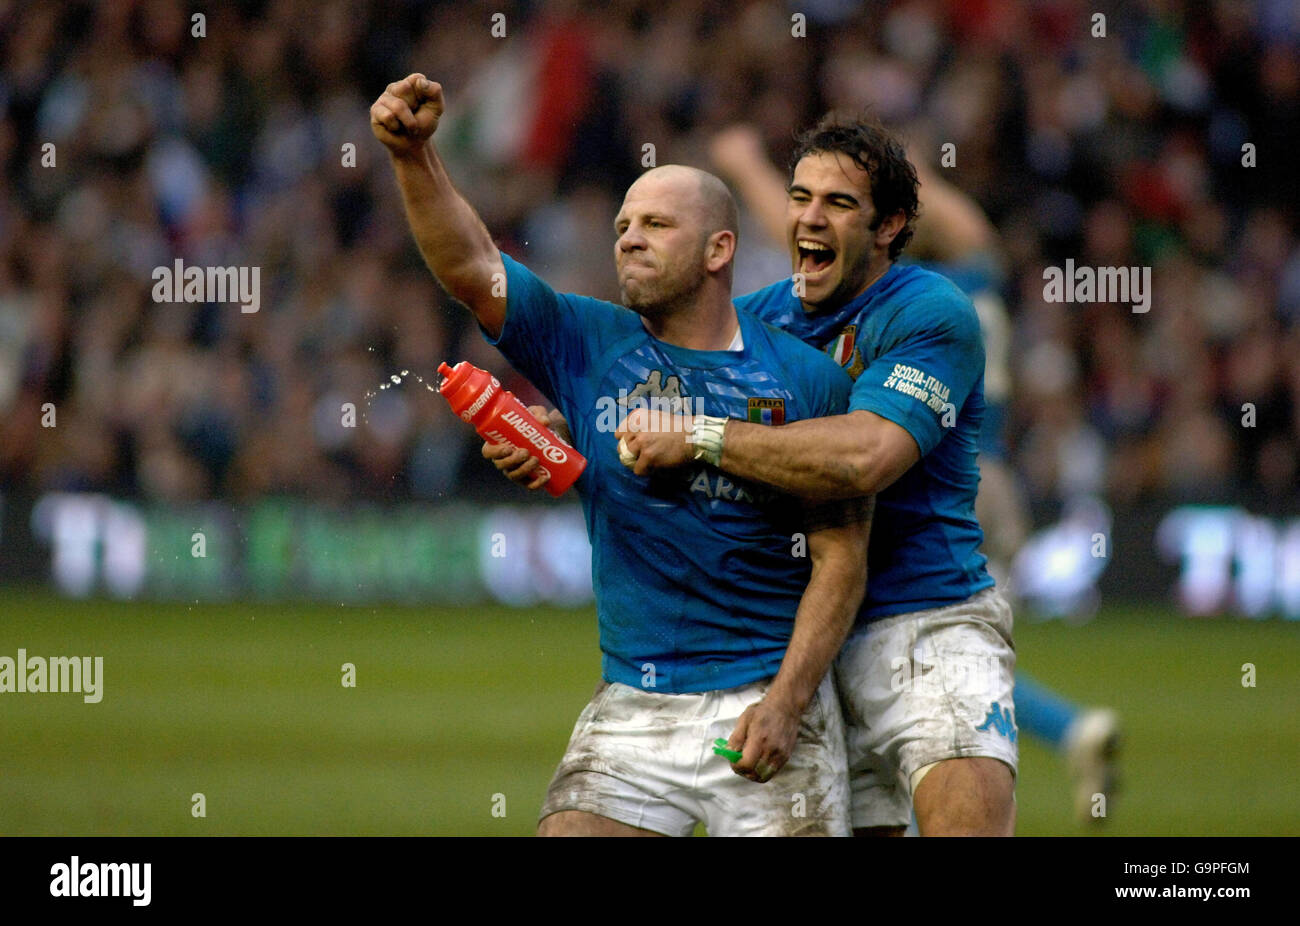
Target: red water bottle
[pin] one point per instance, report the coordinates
(477, 397)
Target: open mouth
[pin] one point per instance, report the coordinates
(814, 256)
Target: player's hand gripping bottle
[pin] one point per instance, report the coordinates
(477, 397)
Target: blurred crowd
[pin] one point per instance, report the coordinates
(249, 145)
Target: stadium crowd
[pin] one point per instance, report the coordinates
(249, 146)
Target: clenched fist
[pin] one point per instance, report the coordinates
(736, 149)
(407, 114)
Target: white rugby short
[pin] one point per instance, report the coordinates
(646, 759)
(919, 688)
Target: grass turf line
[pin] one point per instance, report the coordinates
(244, 703)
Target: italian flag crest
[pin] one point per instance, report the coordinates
(767, 411)
(842, 350)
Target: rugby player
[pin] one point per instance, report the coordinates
(711, 622)
(926, 677)
(955, 237)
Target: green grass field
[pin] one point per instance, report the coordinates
(244, 703)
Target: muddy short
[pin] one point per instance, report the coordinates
(920, 688)
(646, 759)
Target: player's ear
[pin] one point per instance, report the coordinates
(889, 228)
(719, 250)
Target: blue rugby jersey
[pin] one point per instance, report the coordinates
(978, 277)
(912, 344)
(693, 569)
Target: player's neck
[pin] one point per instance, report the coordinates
(874, 273)
(705, 324)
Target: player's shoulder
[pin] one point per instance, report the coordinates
(798, 361)
(768, 302)
(925, 300)
(525, 283)
(787, 349)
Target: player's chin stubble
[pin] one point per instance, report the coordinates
(648, 299)
(663, 295)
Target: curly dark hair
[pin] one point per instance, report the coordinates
(880, 153)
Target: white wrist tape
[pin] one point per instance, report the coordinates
(706, 435)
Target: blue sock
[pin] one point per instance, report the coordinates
(1042, 713)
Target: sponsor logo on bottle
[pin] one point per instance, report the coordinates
(531, 433)
(474, 409)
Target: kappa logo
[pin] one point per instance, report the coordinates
(653, 395)
(1000, 720)
(670, 393)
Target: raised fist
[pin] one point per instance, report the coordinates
(736, 149)
(407, 114)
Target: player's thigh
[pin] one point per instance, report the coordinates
(644, 759)
(580, 823)
(879, 803)
(624, 765)
(922, 688)
(807, 797)
(871, 673)
(966, 797)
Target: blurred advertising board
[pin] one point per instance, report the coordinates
(1208, 560)
(87, 544)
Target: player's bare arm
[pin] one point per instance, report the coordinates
(737, 152)
(767, 731)
(951, 226)
(840, 456)
(452, 238)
